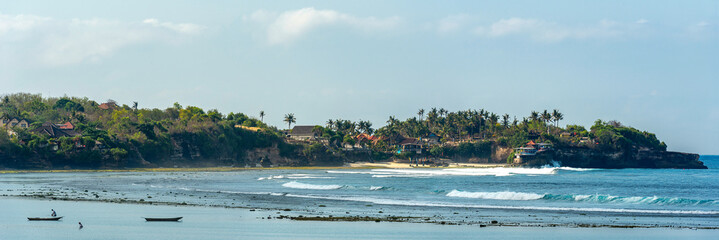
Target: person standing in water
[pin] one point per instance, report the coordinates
(53, 213)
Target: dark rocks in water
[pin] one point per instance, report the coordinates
(582, 157)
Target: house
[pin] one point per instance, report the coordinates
(66, 126)
(303, 133)
(530, 150)
(363, 137)
(410, 145)
(431, 139)
(54, 131)
(14, 122)
(107, 105)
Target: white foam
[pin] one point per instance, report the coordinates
(375, 188)
(577, 169)
(496, 195)
(563, 209)
(294, 176)
(299, 185)
(463, 172)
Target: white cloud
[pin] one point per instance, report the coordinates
(452, 23)
(9, 23)
(642, 21)
(546, 31)
(57, 42)
(290, 25)
(186, 28)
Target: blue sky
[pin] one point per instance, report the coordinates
(653, 65)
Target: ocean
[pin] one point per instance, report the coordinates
(550, 196)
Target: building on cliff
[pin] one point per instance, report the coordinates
(54, 131)
(303, 133)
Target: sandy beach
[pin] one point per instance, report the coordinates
(394, 165)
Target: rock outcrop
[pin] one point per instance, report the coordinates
(633, 158)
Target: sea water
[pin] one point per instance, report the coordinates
(548, 196)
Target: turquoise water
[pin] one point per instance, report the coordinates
(526, 197)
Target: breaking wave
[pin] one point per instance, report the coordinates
(294, 176)
(479, 206)
(496, 195)
(520, 196)
(299, 185)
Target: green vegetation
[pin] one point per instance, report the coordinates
(123, 136)
(120, 136)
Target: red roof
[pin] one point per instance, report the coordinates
(366, 136)
(530, 143)
(67, 125)
(106, 106)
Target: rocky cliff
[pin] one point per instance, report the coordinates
(633, 158)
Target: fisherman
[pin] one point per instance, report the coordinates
(53, 213)
(80, 225)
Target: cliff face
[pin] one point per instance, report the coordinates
(632, 158)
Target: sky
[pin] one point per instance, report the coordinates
(652, 65)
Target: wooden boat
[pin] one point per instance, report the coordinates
(173, 219)
(43, 218)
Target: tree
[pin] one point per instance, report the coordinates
(534, 116)
(134, 106)
(557, 116)
(290, 119)
(420, 113)
(546, 117)
(262, 116)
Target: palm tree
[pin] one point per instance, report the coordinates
(330, 123)
(534, 116)
(557, 116)
(290, 119)
(420, 113)
(262, 116)
(546, 116)
(505, 120)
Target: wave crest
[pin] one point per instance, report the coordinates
(299, 185)
(496, 195)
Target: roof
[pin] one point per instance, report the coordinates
(410, 141)
(302, 131)
(53, 131)
(108, 105)
(366, 136)
(66, 125)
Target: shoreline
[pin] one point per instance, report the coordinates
(122, 221)
(308, 216)
(357, 165)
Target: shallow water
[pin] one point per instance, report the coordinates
(511, 196)
(122, 221)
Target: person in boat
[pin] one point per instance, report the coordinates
(54, 214)
(80, 225)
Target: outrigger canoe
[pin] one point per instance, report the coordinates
(43, 218)
(173, 219)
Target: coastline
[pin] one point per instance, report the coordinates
(357, 165)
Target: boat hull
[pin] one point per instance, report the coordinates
(43, 218)
(175, 219)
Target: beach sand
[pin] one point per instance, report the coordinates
(123, 221)
(407, 165)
